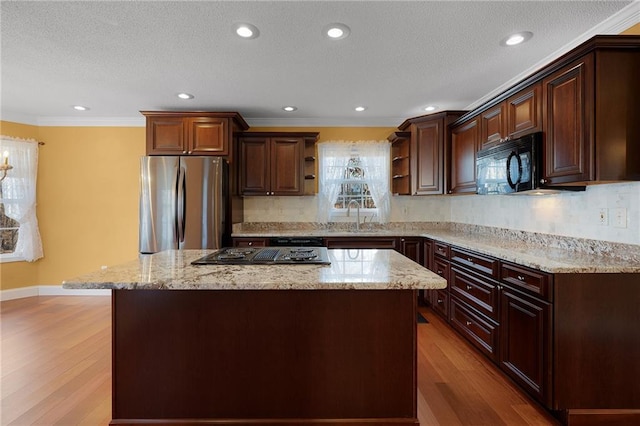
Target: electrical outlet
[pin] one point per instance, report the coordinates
(603, 218)
(619, 217)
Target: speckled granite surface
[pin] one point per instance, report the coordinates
(550, 253)
(349, 269)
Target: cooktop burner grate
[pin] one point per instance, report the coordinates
(266, 256)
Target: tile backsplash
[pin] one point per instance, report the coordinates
(571, 214)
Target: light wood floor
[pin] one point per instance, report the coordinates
(56, 370)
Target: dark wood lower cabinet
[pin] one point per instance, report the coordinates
(571, 341)
(264, 357)
(525, 342)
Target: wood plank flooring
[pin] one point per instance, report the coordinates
(56, 370)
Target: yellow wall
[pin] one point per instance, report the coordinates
(88, 196)
(87, 201)
(634, 30)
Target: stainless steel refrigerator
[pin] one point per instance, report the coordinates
(182, 203)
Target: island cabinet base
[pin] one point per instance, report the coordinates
(264, 357)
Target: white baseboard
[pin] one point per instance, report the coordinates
(49, 290)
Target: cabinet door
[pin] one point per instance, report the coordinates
(524, 112)
(427, 142)
(255, 166)
(464, 146)
(568, 123)
(287, 165)
(493, 125)
(412, 247)
(166, 136)
(526, 342)
(208, 136)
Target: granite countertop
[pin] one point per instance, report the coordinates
(349, 270)
(549, 253)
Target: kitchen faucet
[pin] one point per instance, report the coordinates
(357, 212)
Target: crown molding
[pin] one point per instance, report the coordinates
(325, 122)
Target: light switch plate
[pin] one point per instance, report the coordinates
(619, 217)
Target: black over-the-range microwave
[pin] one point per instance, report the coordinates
(512, 166)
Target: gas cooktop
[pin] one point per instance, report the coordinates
(266, 256)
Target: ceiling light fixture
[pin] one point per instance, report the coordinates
(185, 95)
(336, 31)
(246, 31)
(80, 108)
(517, 38)
(360, 108)
(289, 108)
(430, 108)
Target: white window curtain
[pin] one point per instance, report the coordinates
(333, 159)
(19, 194)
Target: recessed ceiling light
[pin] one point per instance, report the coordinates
(247, 31)
(80, 108)
(289, 108)
(430, 108)
(517, 38)
(185, 95)
(360, 108)
(336, 31)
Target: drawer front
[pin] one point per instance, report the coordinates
(249, 242)
(482, 333)
(530, 281)
(479, 263)
(440, 302)
(479, 292)
(441, 267)
(440, 249)
(361, 242)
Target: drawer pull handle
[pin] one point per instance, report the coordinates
(520, 277)
(468, 323)
(470, 260)
(469, 288)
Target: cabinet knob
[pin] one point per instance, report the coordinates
(250, 243)
(440, 301)
(470, 260)
(520, 277)
(469, 287)
(543, 181)
(439, 272)
(468, 323)
(184, 152)
(267, 192)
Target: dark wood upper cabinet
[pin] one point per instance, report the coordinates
(274, 163)
(464, 146)
(517, 116)
(524, 112)
(585, 103)
(591, 118)
(192, 133)
(429, 159)
(568, 100)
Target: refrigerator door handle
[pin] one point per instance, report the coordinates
(180, 205)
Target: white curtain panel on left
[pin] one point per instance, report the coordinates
(19, 194)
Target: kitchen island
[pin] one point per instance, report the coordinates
(264, 344)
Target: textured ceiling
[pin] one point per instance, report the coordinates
(122, 57)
